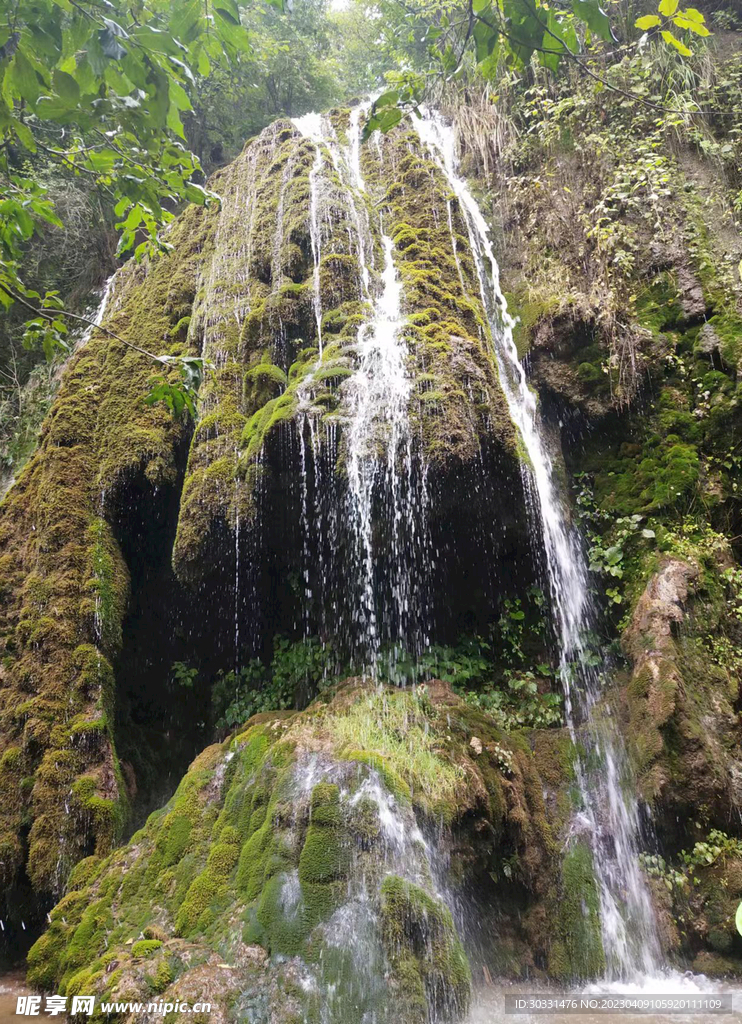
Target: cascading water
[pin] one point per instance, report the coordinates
(608, 818)
(379, 392)
(383, 482)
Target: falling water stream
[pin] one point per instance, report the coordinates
(382, 480)
(607, 817)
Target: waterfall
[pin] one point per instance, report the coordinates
(608, 817)
(383, 482)
(379, 392)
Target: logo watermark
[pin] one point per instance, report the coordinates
(55, 1006)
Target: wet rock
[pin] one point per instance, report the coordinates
(690, 294)
(709, 342)
(314, 854)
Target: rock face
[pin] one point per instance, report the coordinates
(272, 289)
(65, 581)
(297, 259)
(684, 729)
(328, 859)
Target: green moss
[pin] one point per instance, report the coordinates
(657, 306)
(145, 947)
(390, 728)
(162, 977)
(576, 952)
(429, 967)
(99, 440)
(325, 857)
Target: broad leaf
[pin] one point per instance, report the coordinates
(595, 18)
(674, 41)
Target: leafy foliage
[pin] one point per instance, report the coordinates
(293, 67)
(717, 846)
(298, 668)
(668, 16)
(515, 696)
(183, 675)
(490, 33)
(181, 395)
(99, 90)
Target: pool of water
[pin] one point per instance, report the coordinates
(12, 985)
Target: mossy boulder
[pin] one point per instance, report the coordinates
(306, 846)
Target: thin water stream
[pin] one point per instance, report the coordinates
(608, 816)
(382, 480)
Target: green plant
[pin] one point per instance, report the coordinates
(657, 867)
(511, 695)
(514, 33)
(609, 538)
(99, 92)
(298, 671)
(717, 846)
(668, 16)
(733, 578)
(182, 675)
(519, 705)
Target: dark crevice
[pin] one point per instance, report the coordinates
(158, 731)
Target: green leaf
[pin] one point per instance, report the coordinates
(692, 14)
(485, 41)
(386, 99)
(24, 78)
(26, 139)
(674, 41)
(648, 21)
(613, 555)
(738, 919)
(595, 18)
(203, 64)
(668, 7)
(101, 160)
(174, 122)
(54, 108)
(228, 9)
(390, 117)
(693, 26)
(186, 70)
(179, 96)
(66, 87)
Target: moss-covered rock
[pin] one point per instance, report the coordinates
(65, 580)
(281, 313)
(312, 838)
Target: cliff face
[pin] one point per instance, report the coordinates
(66, 583)
(401, 817)
(620, 246)
(274, 289)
